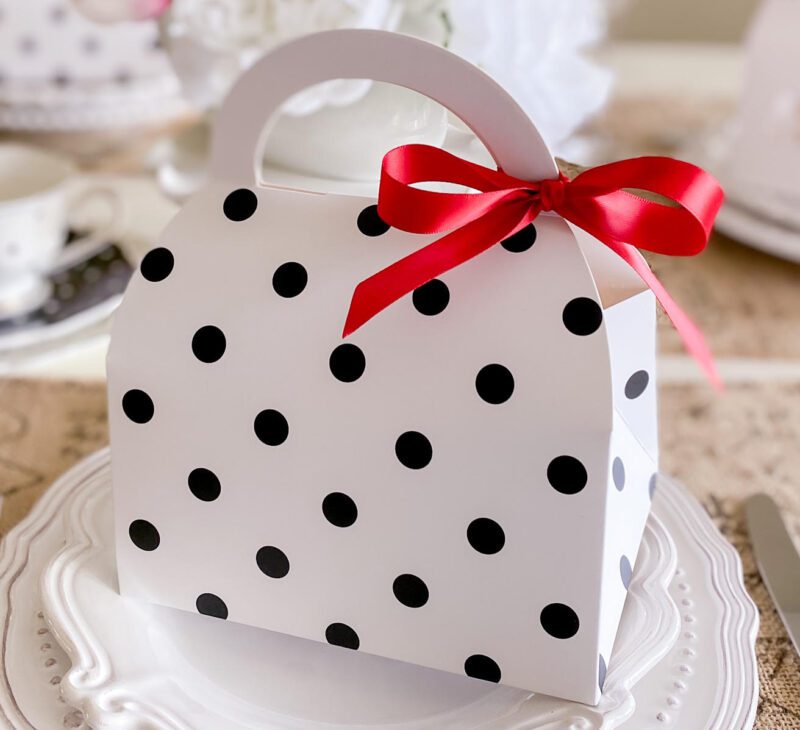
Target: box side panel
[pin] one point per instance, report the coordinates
(633, 459)
(632, 343)
(632, 473)
(630, 315)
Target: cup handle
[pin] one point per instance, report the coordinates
(83, 246)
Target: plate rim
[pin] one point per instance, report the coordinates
(14, 555)
(735, 707)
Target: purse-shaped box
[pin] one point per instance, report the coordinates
(463, 483)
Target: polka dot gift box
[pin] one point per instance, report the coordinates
(462, 479)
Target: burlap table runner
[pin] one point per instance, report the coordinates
(723, 448)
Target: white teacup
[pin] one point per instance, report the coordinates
(34, 217)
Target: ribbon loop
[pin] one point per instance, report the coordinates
(597, 200)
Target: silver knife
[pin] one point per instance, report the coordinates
(778, 560)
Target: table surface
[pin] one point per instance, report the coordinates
(723, 447)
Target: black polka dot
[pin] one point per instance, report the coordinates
(138, 406)
(582, 316)
(347, 363)
(208, 344)
(204, 484)
(559, 620)
(157, 264)
(28, 44)
(271, 427)
(370, 223)
(339, 509)
(651, 487)
(272, 561)
(479, 666)
(618, 474)
(431, 298)
(636, 384)
(486, 536)
(601, 672)
(240, 204)
(567, 474)
(413, 450)
(58, 14)
(342, 635)
(521, 241)
(494, 383)
(410, 590)
(625, 571)
(289, 279)
(90, 45)
(210, 605)
(144, 535)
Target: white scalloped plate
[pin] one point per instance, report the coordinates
(137, 666)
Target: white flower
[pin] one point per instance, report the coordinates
(535, 49)
(238, 32)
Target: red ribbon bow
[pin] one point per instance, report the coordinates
(595, 200)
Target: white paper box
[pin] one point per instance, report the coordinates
(497, 543)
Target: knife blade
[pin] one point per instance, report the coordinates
(777, 559)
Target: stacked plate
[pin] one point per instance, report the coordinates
(61, 72)
(755, 214)
(75, 654)
(763, 227)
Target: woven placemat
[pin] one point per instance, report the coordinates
(723, 448)
(45, 427)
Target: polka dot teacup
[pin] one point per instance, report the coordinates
(34, 208)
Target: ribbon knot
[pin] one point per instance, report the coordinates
(551, 193)
(597, 200)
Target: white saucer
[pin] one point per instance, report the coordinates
(139, 666)
(759, 232)
(32, 340)
(53, 334)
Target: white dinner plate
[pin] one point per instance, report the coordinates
(136, 666)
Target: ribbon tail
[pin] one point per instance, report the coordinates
(693, 340)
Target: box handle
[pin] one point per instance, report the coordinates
(242, 124)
